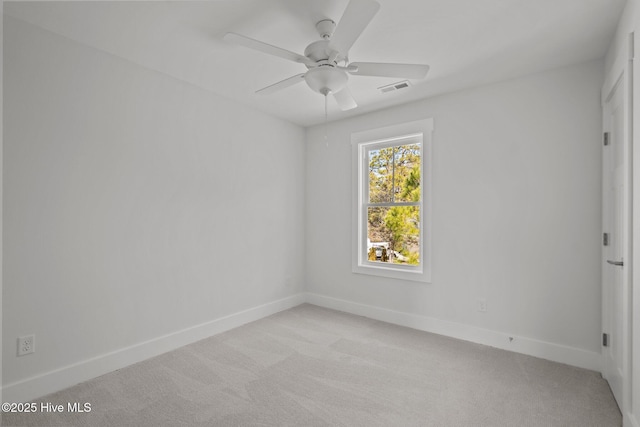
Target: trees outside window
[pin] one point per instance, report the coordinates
(393, 208)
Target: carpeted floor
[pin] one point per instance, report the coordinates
(310, 366)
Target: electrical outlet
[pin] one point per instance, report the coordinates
(482, 305)
(26, 345)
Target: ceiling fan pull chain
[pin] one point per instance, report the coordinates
(326, 141)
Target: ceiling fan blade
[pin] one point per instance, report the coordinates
(281, 85)
(406, 71)
(267, 48)
(345, 99)
(355, 19)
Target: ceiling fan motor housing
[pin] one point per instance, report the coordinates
(318, 51)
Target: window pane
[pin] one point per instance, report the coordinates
(380, 175)
(407, 173)
(394, 234)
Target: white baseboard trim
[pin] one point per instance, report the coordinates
(49, 382)
(544, 350)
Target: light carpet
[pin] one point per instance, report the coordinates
(311, 366)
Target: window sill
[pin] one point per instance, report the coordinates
(414, 275)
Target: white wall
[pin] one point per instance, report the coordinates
(516, 216)
(1, 187)
(630, 23)
(136, 206)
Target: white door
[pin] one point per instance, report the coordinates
(615, 285)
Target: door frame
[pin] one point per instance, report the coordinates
(621, 74)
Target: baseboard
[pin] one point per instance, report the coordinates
(544, 350)
(49, 382)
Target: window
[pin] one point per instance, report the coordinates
(392, 209)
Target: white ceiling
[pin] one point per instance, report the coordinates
(466, 42)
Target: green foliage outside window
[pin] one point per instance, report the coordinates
(394, 177)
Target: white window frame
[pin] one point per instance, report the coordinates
(391, 135)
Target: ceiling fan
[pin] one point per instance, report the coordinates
(327, 60)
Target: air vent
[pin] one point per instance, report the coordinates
(395, 86)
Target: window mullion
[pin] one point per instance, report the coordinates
(390, 205)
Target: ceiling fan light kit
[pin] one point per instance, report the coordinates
(326, 80)
(327, 62)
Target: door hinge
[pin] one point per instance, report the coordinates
(605, 138)
(605, 340)
(605, 239)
